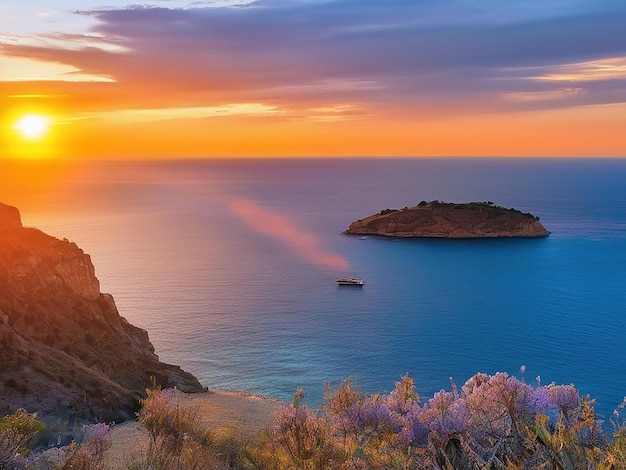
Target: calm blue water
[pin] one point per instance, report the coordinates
(231, 267)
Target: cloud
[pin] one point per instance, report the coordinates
(597, 70)
(563, 93)
(152, 115)
(19, 69)
(283, 229)
(392, 56)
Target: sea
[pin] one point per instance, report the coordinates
(230, 265)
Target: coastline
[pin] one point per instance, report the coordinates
(234, 410)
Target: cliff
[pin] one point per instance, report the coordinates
(65, 350)
(447, 220)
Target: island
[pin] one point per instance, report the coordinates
(437, 219)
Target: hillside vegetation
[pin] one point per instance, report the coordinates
(490, 422)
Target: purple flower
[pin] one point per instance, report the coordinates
(367, 418)
(489, 398)
(566, 397)
(420, 434)
(444, 415)
(100, 439)
(169, 395)
(474, 383)
(540, 402)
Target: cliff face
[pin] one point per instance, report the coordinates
(64, 349)
(447, 220)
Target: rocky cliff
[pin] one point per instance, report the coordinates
(64, 349)
(447, 220)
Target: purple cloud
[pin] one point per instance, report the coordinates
(375, 55)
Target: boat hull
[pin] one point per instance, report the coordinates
(350, 281)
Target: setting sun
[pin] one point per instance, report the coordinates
(32, 126)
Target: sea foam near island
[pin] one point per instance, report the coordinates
(231, 267)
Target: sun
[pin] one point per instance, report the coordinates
(32, 126)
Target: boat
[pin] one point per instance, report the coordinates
(350, 281)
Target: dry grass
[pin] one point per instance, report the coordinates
(228, 412)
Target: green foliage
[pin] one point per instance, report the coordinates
(16, 430)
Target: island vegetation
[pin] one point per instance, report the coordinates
(437, 219)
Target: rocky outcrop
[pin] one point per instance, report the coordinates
(447, 220)
(65, 350)
(9, 217)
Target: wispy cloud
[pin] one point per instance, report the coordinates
(531, 96)
(284, 230)
(162, 114)
(20, 69)
(613, 68)
(396, 56)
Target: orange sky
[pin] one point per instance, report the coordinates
(313, 79)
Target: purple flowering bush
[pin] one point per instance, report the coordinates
(493, 421)
(490, 422)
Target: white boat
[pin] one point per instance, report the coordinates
(350, 281)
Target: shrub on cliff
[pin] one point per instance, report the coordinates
(492, 421)
(178, 440)
(90, 455)
(496, 422)
(85, 453)
(16, 430)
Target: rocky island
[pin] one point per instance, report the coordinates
(449, 220)
(65, 351)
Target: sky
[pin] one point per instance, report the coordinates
(336, 78)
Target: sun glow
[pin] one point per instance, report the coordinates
(32, 126)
